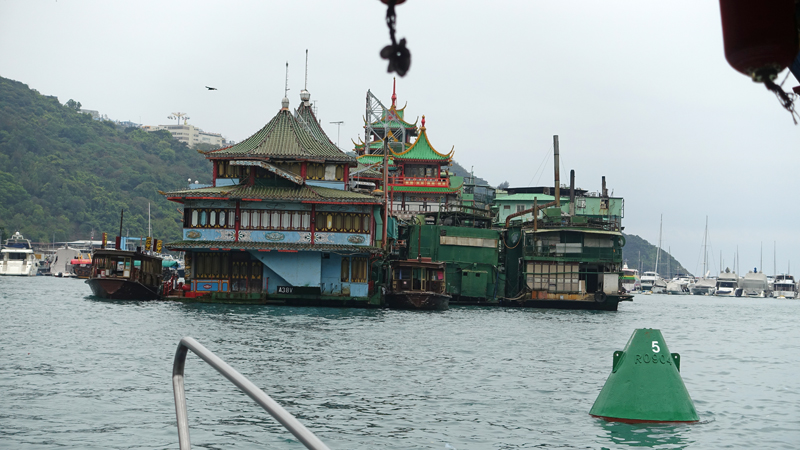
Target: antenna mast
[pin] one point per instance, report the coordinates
(286, 86)
(305, 86)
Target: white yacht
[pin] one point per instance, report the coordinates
(784, 286)
(755, 284)
(17, 257)
(704, 286)
(630, 279)
(727, 284)
(652, 282)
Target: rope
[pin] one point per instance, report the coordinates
(783, 97)
(398, 55)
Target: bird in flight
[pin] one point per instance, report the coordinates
(211, 88)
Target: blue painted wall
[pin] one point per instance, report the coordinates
(332, 274)
(296, 269)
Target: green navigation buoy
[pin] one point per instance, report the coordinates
(645, 384)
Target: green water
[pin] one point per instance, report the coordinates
(78, 372)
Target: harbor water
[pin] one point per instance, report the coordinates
(79, 372)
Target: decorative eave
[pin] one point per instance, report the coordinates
(421, 141)
(256, 193)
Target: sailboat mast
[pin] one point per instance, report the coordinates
(705, 249)
(658, 251)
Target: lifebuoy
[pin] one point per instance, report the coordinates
(599, 296)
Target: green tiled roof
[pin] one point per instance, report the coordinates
(284, 137)
(394, 118)
(360, 171)
(374, 159)
(305, 193)
(273, 246)
(423, 150)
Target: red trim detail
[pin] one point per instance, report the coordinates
(303, 171)
(288, 251)
(226, 249)
(341, 203)
(205, 198)
(263, 250)
(214, 176)
(213, 248)
(313, 222)
(251, 199)
(346, 177)
(236, 222)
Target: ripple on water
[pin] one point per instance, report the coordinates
(86, 373)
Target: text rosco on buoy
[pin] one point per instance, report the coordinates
(645, 384)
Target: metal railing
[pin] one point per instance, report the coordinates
(274, 409)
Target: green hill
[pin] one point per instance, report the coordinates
(63, 174)
(641, 255)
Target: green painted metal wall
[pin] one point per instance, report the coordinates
(472, 271)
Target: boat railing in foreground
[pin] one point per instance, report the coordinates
(274, 409)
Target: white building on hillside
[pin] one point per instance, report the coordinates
(189, 134)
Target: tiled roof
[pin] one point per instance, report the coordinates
(284, 137)
(423, 150)
(363, 171)
(305, 194)
(272, 246)
(394, 118)
(374, 159)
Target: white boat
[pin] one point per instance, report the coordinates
(727, 284)
(679, 285)
(17, 257)
(755, 284)
(62, 262)
(703, 286)
(784, 286)
(652, 282)
(630, 279)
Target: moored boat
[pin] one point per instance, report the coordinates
(652, 282)
(418, 284)
(630, 279)
(784, 286)
(727, 284)
(17, 257)
(755, 284)
(703, 286)
(125, 275)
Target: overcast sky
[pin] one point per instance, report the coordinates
(637, 91)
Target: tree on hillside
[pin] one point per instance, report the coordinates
(72, 104)
(503, 185)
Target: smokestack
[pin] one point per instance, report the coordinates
(558, 181)
(605, 191)
(572, 192)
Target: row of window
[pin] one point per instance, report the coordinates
(313, 171)
(359, 271)
(261, 219)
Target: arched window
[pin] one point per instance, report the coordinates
(195, 219)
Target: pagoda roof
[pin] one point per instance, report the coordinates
(374, 159)
(302, 194)
(422, 150)
(366, 171)
(286, 137)
(394, 118)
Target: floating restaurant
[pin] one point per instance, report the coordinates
(279, 223)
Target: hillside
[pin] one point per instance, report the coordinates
(641, 255)
(63, 174)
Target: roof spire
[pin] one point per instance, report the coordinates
(394, 92)
(423, 121)
(285, 101)
(305, 96)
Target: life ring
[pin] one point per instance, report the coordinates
(599, 296)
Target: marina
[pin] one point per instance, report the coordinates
(469, 377)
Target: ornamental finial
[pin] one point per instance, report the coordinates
(423, 121)
(394, 92)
